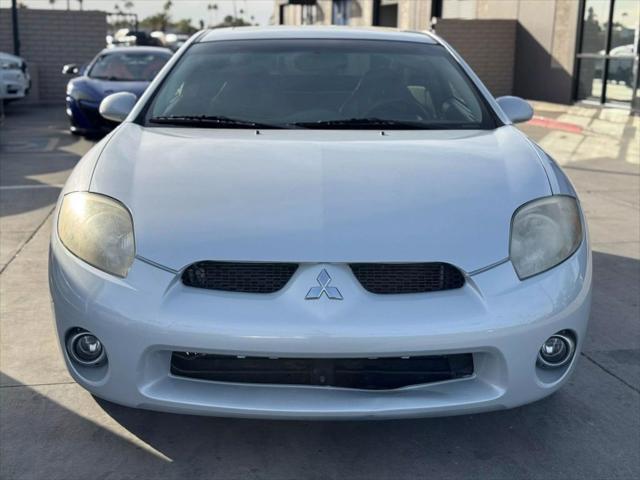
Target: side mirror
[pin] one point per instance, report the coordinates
(117, 106)
(70, 69)
(517, 109)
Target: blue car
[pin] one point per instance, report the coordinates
(123, 69)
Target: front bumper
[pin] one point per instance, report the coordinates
(146, 316)
(13, 90)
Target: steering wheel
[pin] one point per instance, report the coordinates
(397, 108)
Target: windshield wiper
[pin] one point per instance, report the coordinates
(362, 123)
(377, 124)
(209, 121)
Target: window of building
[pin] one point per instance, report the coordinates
(608, 52)
(341, 12)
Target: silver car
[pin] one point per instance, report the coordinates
(15, 81)
(319, 223)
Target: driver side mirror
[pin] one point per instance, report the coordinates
(70, 69)
(117, 106)
(517, 109)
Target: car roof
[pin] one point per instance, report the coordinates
(144, 49)
(328, 32)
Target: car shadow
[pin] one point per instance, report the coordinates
(333, 449)
(42, 438)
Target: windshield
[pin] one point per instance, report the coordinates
(319, 83)
(129, 66)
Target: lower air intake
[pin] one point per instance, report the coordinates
(359, 373)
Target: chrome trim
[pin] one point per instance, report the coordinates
(324, 279)
(488, 267)
(155, 264)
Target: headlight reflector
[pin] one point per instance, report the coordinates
(99, 230)
(544, 233)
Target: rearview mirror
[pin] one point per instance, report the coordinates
(70, 69)
(117, 106)
(517, 109)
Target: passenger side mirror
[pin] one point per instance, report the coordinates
(517, 109)
(70, 69)
(117, 106)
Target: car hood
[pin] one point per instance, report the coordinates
(103, 88)
(320, 196)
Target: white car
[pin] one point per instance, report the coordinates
(319, 223)
(14, 77)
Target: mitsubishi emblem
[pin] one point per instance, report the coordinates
(324, 279)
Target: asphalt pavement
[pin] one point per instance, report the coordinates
(50, 428)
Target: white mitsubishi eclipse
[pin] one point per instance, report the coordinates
(319, 223)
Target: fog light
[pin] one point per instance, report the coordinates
(86, 349)
(556, 351)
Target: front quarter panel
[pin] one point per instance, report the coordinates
(80, 177)
(558, 180)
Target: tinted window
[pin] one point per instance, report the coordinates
(129, 66)
(302, 82)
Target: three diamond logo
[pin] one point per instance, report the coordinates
(324, 279)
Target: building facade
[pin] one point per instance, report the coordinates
(561, 51)
(48, 40)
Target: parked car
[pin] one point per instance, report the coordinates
(319, 223)
(122, 69)
(132, 38)
(15, 80)
(175, 40)
(621, 66)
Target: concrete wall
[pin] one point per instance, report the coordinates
(414, 15)
(488, 46)
(545, 44)
(51, 38)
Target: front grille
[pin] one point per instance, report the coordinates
(361, 373)
(390, 278)
(239, 277)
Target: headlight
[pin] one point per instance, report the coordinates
(544, 233)
(80, 95)
(99, 230)
(10, 65)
